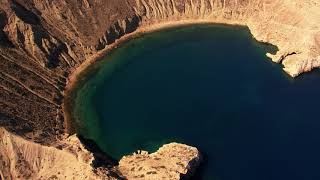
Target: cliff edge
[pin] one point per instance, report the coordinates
(22, 159)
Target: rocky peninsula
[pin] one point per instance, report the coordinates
(45, 44)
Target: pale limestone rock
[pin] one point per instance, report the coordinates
(171, 161)
(22, 159)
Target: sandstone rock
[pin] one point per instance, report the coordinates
(22, 159)
(171, 161)
(69, 159)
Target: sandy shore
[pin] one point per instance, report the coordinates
(143, 29)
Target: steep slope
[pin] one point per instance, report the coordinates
(21, 159)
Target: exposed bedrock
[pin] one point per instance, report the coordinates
(171, 161)
(69, 159)
(43, 41)
(22, 159)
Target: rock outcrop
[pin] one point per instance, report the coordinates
(22, 159)
(69, 159)
(43, 43)
(171, 161)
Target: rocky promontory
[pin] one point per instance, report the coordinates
(69, 159)
(45, 44)
(171, 161)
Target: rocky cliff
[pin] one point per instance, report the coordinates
(43, 42)
(22, 159)
(171, 161)
(69, 159)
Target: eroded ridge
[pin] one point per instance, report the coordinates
(22, 159)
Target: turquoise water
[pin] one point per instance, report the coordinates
(209, 86)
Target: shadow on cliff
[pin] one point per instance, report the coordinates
(101, 159)
(24, 14)
(198, 173)
(4, 40)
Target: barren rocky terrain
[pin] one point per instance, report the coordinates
(43, 42)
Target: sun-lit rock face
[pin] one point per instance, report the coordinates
(42, 42)
(69, 159)
(22, 159)
(171, 161)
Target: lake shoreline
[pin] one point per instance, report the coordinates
(68, 94)
(80, 84)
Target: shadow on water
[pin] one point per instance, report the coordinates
(199, 173)
(309, 76)
(101, 159)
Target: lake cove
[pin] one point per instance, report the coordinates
(208, 86)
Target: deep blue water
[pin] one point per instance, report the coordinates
(209, 86)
